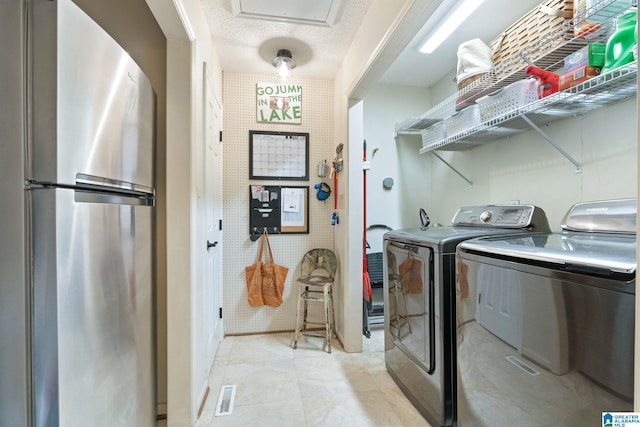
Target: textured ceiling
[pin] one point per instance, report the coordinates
(249, 45)
(490, 19)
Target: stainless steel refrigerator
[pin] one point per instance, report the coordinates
(87, 114)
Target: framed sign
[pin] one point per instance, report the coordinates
(278, 155)
(279, 103)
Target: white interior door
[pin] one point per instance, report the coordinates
(213, 217)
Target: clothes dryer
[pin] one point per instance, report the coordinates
(419, 300)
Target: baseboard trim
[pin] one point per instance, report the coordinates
(204, 400)
(161, 411)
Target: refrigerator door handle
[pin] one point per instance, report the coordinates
(109, 184)
(84, 196)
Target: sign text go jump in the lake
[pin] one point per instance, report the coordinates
(279, 103)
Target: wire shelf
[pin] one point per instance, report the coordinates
(548, 52)
(615, 86)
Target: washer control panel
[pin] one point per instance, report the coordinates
(508, 216)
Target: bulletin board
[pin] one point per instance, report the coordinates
(294, 209)
(278, 209)
(278, 155)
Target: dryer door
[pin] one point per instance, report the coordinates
(410, 298)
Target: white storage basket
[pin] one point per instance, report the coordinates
(508, 99)
(434, 133)
(463, 120)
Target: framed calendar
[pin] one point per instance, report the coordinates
(278, 155)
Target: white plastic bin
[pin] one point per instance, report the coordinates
(433, 134)
(463, 120)
(508, 99)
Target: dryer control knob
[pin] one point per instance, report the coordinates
(485, 216)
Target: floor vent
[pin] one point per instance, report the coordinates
(225, 401)
(520, 364)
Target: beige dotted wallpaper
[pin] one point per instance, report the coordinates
(240, 116)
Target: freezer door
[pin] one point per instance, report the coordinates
(93, 106)
(92, 301)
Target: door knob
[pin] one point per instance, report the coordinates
(211, 245)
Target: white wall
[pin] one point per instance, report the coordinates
(352, 304)
(365, 62)
(189, 45)
(527, 168)
(523, 167)
(384, 106)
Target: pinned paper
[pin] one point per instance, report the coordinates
(291, 200)
(292, 212)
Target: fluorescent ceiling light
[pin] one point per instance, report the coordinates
(460, 12)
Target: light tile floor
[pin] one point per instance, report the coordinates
(279, 386)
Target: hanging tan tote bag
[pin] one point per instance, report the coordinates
(265, 281)
(411, 272)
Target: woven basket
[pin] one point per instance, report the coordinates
(547, 17)
(472, 88)
(466, 82)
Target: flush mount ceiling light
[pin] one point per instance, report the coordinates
(284, 63)
(457, 15)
